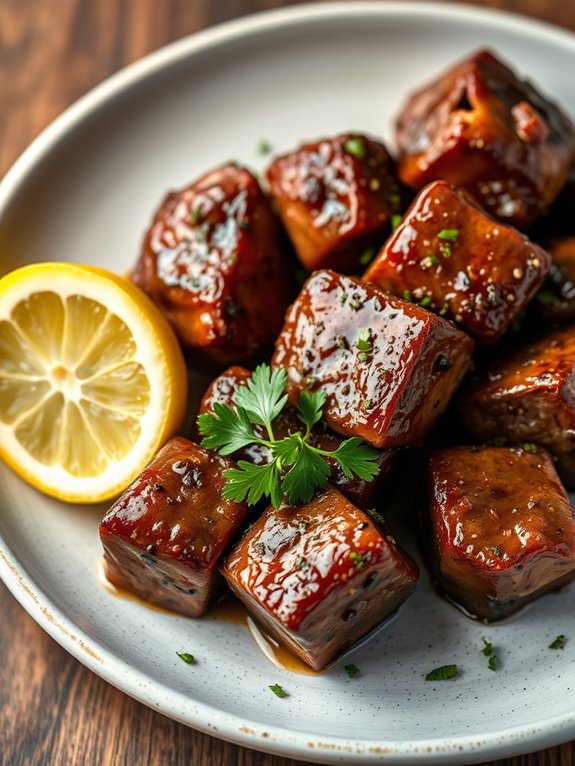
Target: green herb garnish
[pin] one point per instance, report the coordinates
(450, 234)
(429, 261)
(296, 469)
(189, 659)
(487, 647)
(264, 147)
(364, 344)
(492, 662)
(406, 295)
(196, 216)
(444, 673)
(356, 304)
(445, 249)
(395, 220)
(530, 447)
(545, 297)
(367, 256)
(444, 309)
(358, 559)
(355, 147)
(351, 670)
(559, 642)
(279, 691)
(425, 302)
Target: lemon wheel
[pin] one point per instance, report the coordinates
(92, 380)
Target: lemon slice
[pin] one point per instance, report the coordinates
(92, 380)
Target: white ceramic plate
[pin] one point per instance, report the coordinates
(84, 191)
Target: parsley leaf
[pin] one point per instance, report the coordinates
(444, 673)
(262, 397)
(253, 482)
(451, 234)
(279, 691)
(308, 474)
(310, 406)
(487, 647)
(351, 670)
(189, 659)
(226, 430)
(558, 643)
(492, 662)
(356, 457)
(355, 147)
(296, 468)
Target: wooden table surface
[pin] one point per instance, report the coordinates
(53, 711)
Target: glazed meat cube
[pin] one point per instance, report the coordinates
(336, 198)
(529, 396)
(458, 261)
(556, 302)
(319, 576)
(164, 537)
(501, 527)
(388, 367)
(479, 127)
(213, 261)
(361, 493)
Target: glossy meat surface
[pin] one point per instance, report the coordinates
(336, 198)
(388, 367)
(480, 127)
(502, 529)
(556, 302)
(361, 493)
(461, 263)
(319, 576)
(528, 396)
(213, 261)
(163, 538)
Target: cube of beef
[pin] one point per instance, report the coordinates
(556, 301)
(361, 493)
(388, 367)
(164, 537)
(213, 262)
(448, 255)
(336, 198)
(480, 127)
(319, 576)
(528, 396)
(501, 526)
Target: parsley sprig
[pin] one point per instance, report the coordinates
(296, 468)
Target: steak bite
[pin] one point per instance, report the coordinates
(459, 262)
(529, 396)
(387, 367)
(501, 528)
(164, 537)
(336, 198)
(361, 493)
(319, 576)
(213, 261)
(480, 127)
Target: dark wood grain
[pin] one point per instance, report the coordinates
(54, 712)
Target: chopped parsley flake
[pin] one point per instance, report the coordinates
(366, 404)
(429, 261)
(450, 234)
(406, 295)
(189, 659)
(445, 249)
(357, 559)
(356, 304)
(279, 691)
(425, 302)
(444, 309)
(355, 147)
(395, 220)
(365, 340)
(487, 647)
(444, 673)
(343, 298)
(367, 256)
(196, 216)
(264, 147)
(545, 297)
(558, 643)
(341, 341)
(351, 670)
(530, 447)
(492, 662)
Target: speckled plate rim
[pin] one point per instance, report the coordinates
(206, 718)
